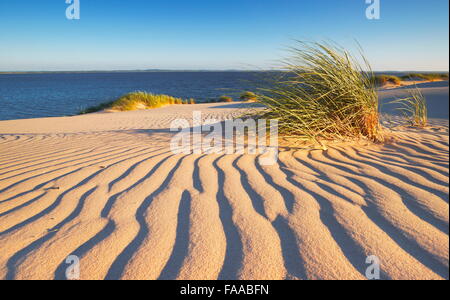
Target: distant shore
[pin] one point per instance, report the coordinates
(206, 71)
(129, 71)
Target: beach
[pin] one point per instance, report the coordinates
(106, 188)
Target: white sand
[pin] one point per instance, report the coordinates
(106, 187)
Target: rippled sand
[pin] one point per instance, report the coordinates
(106, 187)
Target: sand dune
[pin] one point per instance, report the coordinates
(106, 187)
(436, 94)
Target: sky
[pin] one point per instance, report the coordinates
(35, 35)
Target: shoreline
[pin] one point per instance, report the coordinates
(387, 92)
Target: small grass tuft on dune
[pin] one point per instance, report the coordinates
(137, 100)
(414, 108)
(382, 80)
(426, 76)
(248, 96)
(225, 99)
(326, 95)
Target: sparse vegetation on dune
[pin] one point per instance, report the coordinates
(381, 80)
(221, 99)
(327, 95)
(225, 99)
(96, 108)
(425, 76)
(138, 100)
(414, 108)
(248, 96)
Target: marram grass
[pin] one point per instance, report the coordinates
(248, 96)
(381, 80)
(143, 100)
(328, 95)
(426, 76)
(225, 99)
(138, 100)
(414, 108)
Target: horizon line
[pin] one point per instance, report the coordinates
(188, 70)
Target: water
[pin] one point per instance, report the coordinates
(50, 95)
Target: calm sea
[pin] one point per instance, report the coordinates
(49, 95)
(63, 94)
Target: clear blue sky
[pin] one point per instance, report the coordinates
(215, 34)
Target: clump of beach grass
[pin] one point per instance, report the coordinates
(426, 76)
(137, 100)
(381, 80)
(143, 100)
(225, 99)
(326, 95)
(414, 108)
(248, 96)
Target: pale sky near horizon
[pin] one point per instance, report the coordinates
(216, 34)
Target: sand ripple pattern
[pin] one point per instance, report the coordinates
(130, 209)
